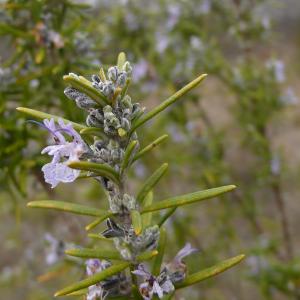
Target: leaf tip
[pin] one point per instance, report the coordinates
(57, 294)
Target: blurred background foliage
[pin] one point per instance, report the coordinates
(240, 127)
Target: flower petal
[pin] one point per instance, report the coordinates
(157, 290)
(185, 251)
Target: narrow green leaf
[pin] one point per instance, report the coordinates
(8, 29)
(42, 115)
(166, 216)
(151, 182)
(93, 279)
(210, 272)
(121, 60)
(68, 207)
(94, 253)
(99, 237)
(161, 250)
(98, 221)
(103, 170)
(136, 221)
(85, 86)
(167, 102)
(94, 131)
(82, 292)
(125, 88)
(189, 198)
(150, 147)
(147, 217)
(128, 156)
(103, 275)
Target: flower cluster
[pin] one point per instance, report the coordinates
(172, 273)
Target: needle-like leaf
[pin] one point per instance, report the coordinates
(151, 182)
(161, 250)
(103, 170)
(150, 147)
(210, 272)
(99, 237)
(128, 156)
(167, 102)
(85, 86)
(93, 279)
(166, 216)
(94, 253)
(93, 131)
(189, 198)
(147, 217)
(102, 275)
(68, 207)
(97, 221)
(42, 115)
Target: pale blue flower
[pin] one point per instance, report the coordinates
(176, 269)
(63, 152)
(153, 285)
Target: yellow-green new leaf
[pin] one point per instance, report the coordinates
(167, 102)
(151, 182)
(147, 217)
(136, 221)
(189, 198)
(103, 170)
(41, 115)
(121, 60)
(210, 272)
(94, 253)
(68, 207)
(150, 147)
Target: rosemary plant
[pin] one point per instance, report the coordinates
(105, 149)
